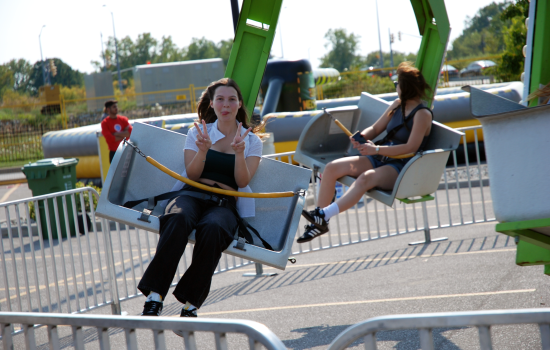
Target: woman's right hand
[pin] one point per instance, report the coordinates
(354, 143)
(203, 140)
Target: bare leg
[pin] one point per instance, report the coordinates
(351, 166)
(383, 177)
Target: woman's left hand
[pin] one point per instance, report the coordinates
(367, 149)
(238, 141)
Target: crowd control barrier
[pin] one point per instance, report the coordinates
(106, 327)
(425, 323)
(103, 266)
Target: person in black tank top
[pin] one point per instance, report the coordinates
(372, 168)
(223, 153)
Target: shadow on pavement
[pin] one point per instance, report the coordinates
(406, 339)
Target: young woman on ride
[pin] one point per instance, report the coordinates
(222, 153)
(372, 168)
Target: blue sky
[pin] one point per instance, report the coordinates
(73, 28)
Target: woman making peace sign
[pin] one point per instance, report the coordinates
(222, 153)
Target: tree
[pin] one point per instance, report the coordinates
(21, 70)
(373, 59)
(6, 79)
(168, 51)
(510, 65)
(484, 33)
(147, 49)
(224, 47)
(66, 76)
(342, 54)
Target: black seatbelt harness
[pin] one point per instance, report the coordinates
(243, 226)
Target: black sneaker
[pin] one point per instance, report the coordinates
(152, 308)
(185, 313)
(312, 231)
(316, 217)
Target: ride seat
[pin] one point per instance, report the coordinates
(322, 141)
(131, 177)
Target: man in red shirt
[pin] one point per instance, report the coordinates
(114, 128)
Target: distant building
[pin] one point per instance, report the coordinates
(173, 76)
(98, 85)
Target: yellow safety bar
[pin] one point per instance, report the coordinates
(344, 129)
(209, 188)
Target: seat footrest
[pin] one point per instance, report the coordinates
(417, 200)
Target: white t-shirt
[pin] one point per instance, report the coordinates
(253, 148)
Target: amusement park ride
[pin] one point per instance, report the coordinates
(130, 177)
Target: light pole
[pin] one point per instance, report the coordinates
(103, 53)
(116, 52)
(391, 49)
(42, 58)
(379, 40)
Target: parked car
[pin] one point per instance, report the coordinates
(451, 71)
(476, 68)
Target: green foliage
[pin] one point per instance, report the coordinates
(148, 49)
(353, 84)
(484, 34)
(79, 184)
(343, 48)
(66, 76)
(373, 59)
(518, 9)
(20, 70)
(510, 65)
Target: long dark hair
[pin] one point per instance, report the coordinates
(412, 84)
(206, 112)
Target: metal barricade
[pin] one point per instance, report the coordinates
(425, 323)
(66, 274)
(106, 327)
(77, 274)
(463, 198)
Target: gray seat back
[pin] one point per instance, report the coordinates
(131, 177)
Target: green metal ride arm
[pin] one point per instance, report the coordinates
(251, 47)
(433, 24)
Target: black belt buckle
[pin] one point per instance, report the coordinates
(222, 202)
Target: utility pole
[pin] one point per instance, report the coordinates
(379, 40)
(116, 53)
(103, 53)
(391, 50)
(42, 58)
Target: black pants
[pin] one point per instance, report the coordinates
(215, 227)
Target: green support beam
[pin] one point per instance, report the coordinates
(528, 254)
(256, 31)
(251, 47)
(525, 231)
(433, 24)
(540, 69)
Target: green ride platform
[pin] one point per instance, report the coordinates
(533, 241)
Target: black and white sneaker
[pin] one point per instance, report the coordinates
(186, 313)
(152, 308)
(312, 231)
(316, 217)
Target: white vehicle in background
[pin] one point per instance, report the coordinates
(476, 68)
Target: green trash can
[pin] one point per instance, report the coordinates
(49, 176)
